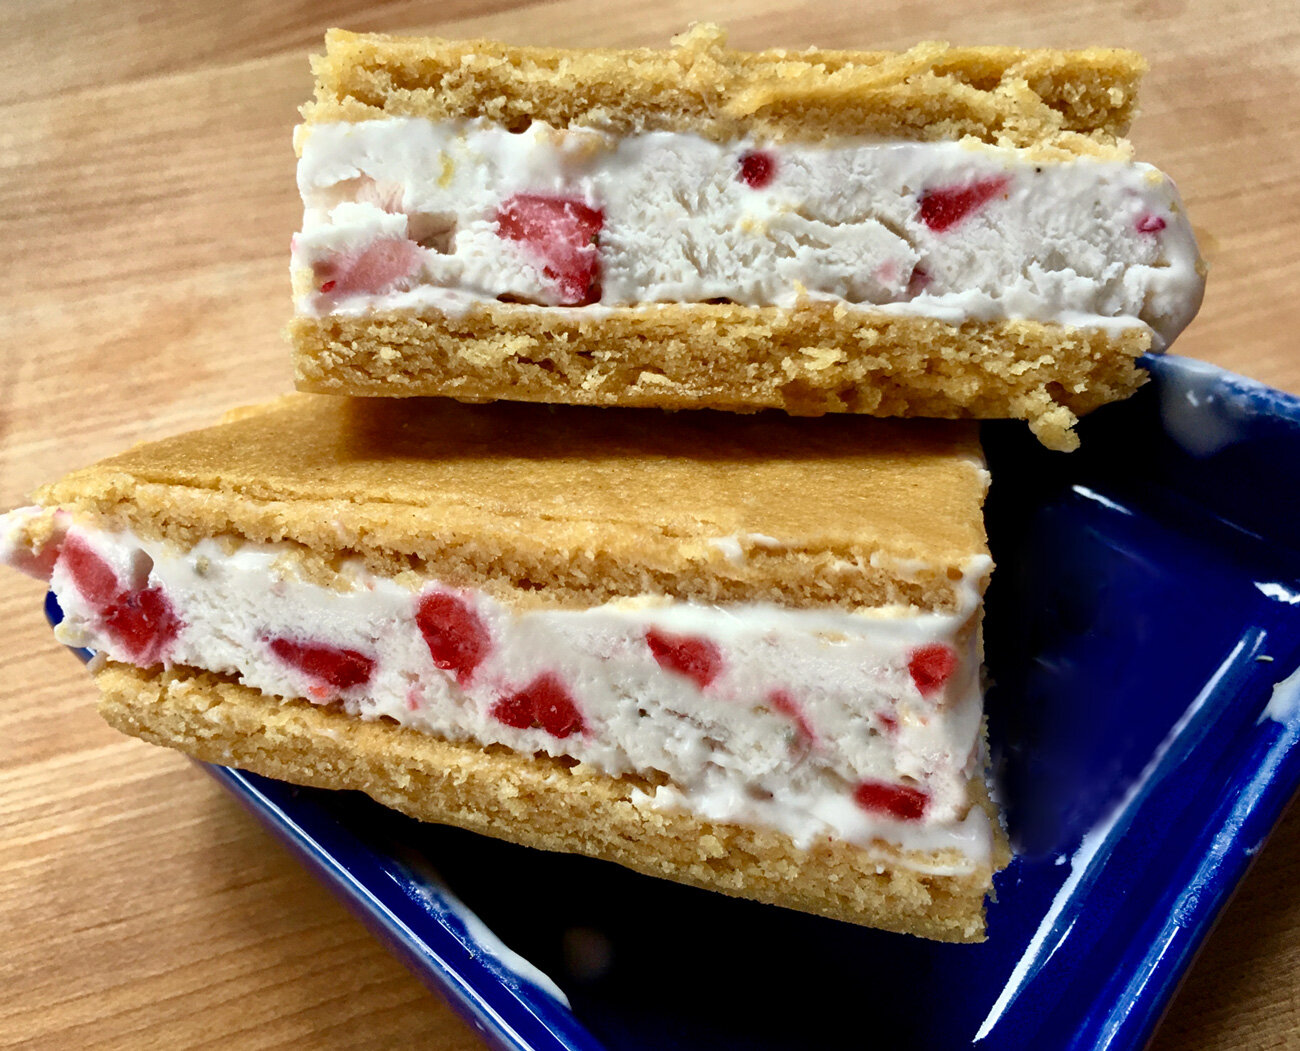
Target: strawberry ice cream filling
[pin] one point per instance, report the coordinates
(859, 725)
(411, 215)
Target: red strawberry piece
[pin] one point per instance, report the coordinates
(457, 638)
(930, 666)
(140, 620)
(38, 564)
(41, 563)
(789, 707)
(887, 722)
(698, 659)
(328, 665)
(379, 267)
(757, 169)
(93, 577)
(1149, 224)
(560, 233)
(143, 623)
(543, 703)
(946, 207)
(898, 801)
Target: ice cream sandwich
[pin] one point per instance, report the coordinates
(738, 652)
(945, 231)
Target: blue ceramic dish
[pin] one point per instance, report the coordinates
(1143, 638)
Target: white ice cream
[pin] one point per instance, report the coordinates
(802, 709)
(1085, 242)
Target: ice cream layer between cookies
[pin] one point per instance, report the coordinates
(411, 214)
(856, 725)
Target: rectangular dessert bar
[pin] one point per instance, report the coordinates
(939, 232)
(738, 652)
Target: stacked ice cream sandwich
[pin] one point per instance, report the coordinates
(732, 647)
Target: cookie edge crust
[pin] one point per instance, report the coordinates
(808, 361)
(536, 801)
(1078, 102)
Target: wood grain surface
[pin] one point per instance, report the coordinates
(146, 202)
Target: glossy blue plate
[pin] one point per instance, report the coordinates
(1143, 638)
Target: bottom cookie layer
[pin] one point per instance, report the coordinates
(539, 802)
(808, 361)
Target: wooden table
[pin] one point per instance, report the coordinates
(146, 203)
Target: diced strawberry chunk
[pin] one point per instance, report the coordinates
(1150, 224)
(898, 801)
(698, 659)
(947, 206)
(918, 282)
(328, 665)
(39, 564)
(782, 702)
(140, 620)
(757, 169)
(887, 722)
(457, 638)
(561, 234)
(515, 710)
(93, 577)
(930, 666)
(143, 623)
(543, 703)
(379, 267)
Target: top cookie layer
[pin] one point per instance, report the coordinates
(1079, 101)
(572, 505)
